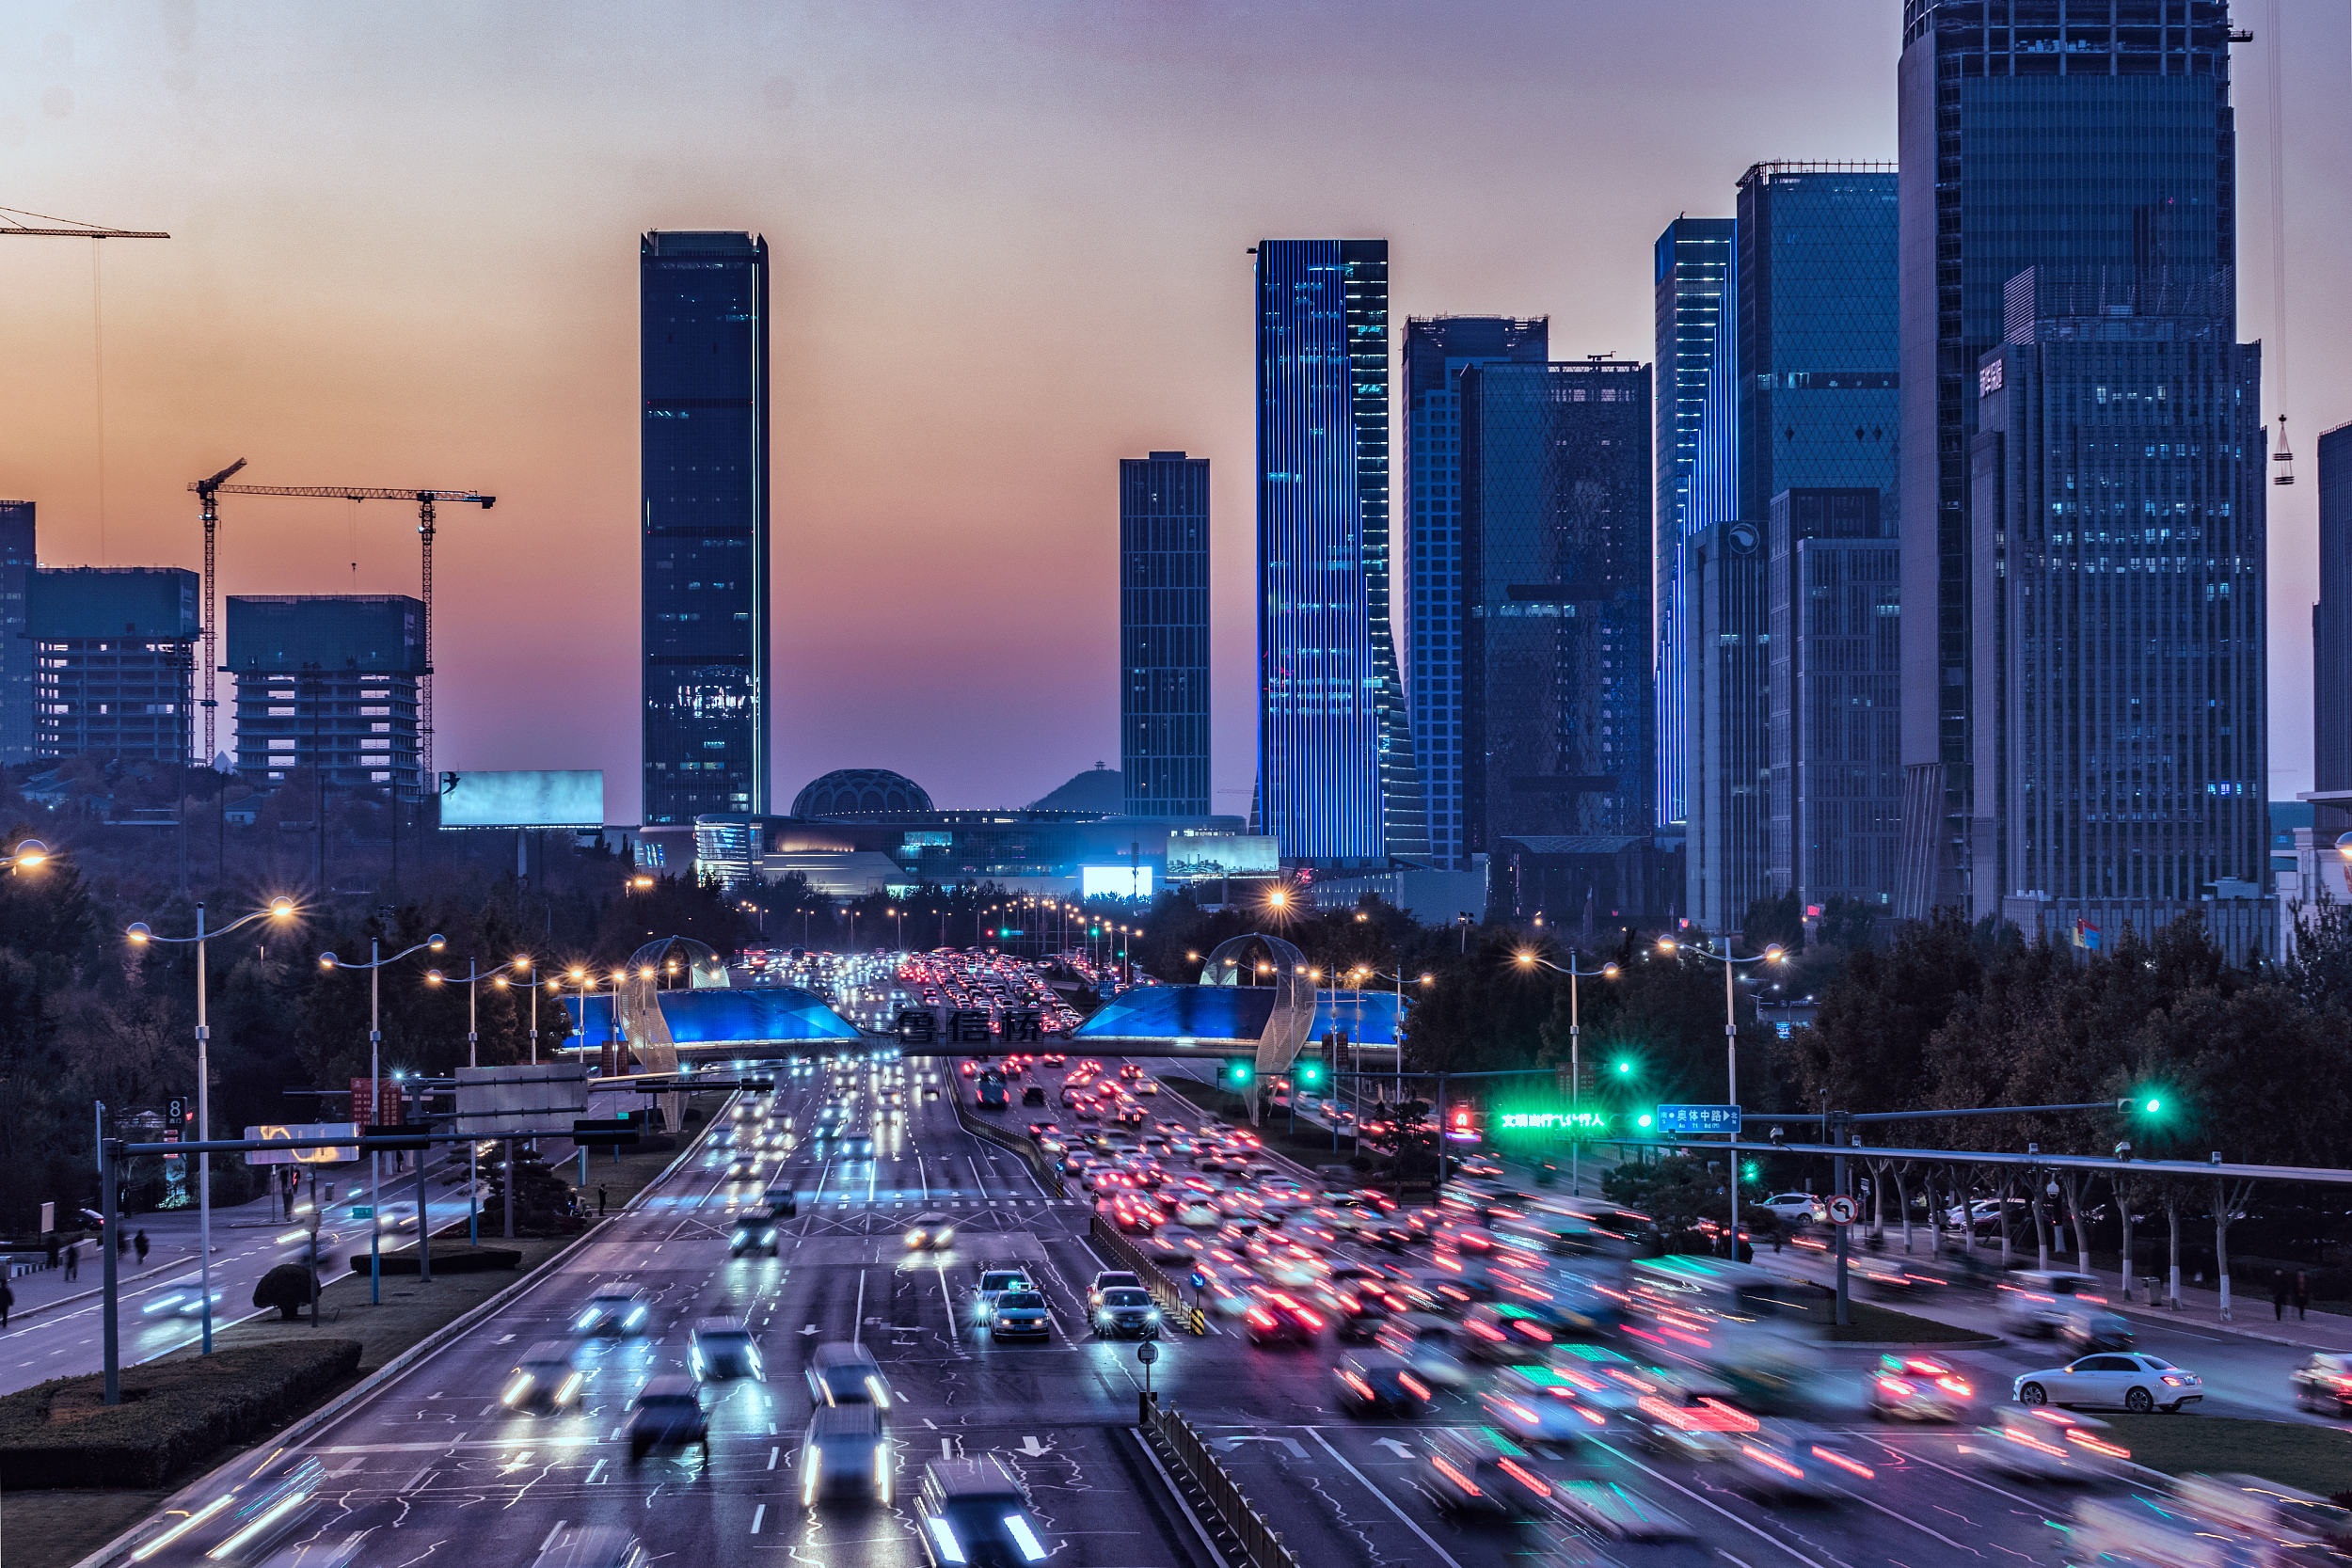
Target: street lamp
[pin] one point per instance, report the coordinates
(375, 1116)
(1529, 958)
(473, 1058)
(32, 852)
(1772, 954)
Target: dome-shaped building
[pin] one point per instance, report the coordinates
(860, 791)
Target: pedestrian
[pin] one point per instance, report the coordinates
(2279, 1293)
(138, 1244)
(73, 1262)
(7, 1299)
(600, 1200)
(2302, 1296)
(123, 1243)
(52, 1239)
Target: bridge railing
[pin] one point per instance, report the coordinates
(1259, 1543)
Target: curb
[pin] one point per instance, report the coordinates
(303, 1426)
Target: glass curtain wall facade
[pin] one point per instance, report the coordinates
(2331, 632)
(329, 680)
(703, 361)
(1337, 782)
(1436, 351)
(2118, 507)
(2032, 133)
(1833, 581)
(1690, 260)
(112, 662)
(1557, 557)
(1164, 633)
(1802, 394)
(16, 651)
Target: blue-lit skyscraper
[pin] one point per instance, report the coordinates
(1434, 352)
(1337, 783)
(2032, 133)
(703, 361)
(1802, 395)
(1164, 633)
(17, 730)
(2331, 633)
(1690, 261)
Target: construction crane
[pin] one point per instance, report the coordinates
(12, 222)
(208, 491)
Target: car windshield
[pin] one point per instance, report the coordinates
(1000, 1281)
(1017, 1300)
(731, 1339)
(1125, 1298)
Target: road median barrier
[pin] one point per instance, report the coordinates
(1032, 1156)
(1173, 1436)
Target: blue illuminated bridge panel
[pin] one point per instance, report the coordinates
(1229, 1017)
(762, 1015)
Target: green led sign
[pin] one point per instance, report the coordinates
(1552, 1121)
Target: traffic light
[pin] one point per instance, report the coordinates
(1750, 1171)
(1310, 1074)
(1625, 1067)
(1239, 1072)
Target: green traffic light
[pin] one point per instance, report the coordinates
(1624, 1068)
(1748, 1171)
(2154, 1107)
(1644, 1121)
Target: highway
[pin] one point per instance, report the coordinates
(432, 1465)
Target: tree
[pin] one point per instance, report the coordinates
(1772, 921)
(1868, 1044)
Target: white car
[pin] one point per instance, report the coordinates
(1797, 1208)
(2038, 1302)
(2138, 1383)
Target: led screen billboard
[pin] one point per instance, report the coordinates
(523, 799)
(1115, 881)
(1197, 857)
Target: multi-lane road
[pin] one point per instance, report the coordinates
(431, 1464)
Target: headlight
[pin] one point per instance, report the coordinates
(516, 1389)
(947, 1236)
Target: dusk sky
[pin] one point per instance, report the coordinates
(1009, 250)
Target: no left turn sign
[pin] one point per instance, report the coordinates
(1843, 1210)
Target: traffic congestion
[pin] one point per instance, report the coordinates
(899, 1308)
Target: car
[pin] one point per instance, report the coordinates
(846, 1450)
(2084, 1332)
(668, 1415)
(1429, 1345)
(931, 1232)
(1021, 1315)
(1122, 1312)
(616, 1308)
(1796, 1209)
(2324, 1383)
(745, 1168)
(2036, 1302)
(784, 1203)
(1541, 1408)
(754, 1234)
(720, 1348)
(2138, 1383)
(1371, 1383)
(1275, 1318)
(972, 1514)
(1705, 1432)
(1505, 1334)
(993, 1284)
(1918, 1388)
(1357, 1311)
(1616, 1510)
(1478, 1470)
(844, 1373)
(544, 1378)
(1033, 1094)
(2042, 1444)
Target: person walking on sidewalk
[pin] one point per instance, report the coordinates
(600, 1200)
(7, 1299)
(73, 1262)
(2302, 1296)
(138, 1244)
(123, 1243)
(2279, 1293)
(53, 1249)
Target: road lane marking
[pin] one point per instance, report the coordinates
(1404, 1518)
(757, 1514)
(1708, 1503)
(772, 1453)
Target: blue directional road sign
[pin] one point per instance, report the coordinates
(1699, 1118)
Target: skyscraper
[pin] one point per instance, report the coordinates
(2331, 635)
(2032, 133)
(16, 651)
(326, 680)
(1690, 260)
(2117, 511)
(1337, 782)
(1164, 633)
(702, 361)
(112, 668)
(1556, 552)
(1434, 352)
(1800, 395)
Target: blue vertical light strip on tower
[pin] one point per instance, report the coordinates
(1319, 719)
(1690, 259)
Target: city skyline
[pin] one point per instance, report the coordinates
(415, 358)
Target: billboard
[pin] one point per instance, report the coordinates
(534, 798)
(332, 1154)
(493, 1102)
(1203, 857)
(1115, 881)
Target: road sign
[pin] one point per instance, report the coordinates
(329, 1155)
(1146, 1352)
(1699, 1118)
(363, 1210)
(1843, 1210)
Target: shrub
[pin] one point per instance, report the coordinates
(287, 1287)
(174, 1413)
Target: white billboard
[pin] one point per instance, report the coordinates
(1115, 881)
(535, 798)
(493, 1102)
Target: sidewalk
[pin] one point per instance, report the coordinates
(39, 1293)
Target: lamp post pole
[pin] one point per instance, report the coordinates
(1772, 954)
(1576, 1053)
(374, 967)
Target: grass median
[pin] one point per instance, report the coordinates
(53, 1526)
(2293, 1454)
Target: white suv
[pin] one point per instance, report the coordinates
(1797, 1208)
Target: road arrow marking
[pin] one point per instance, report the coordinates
(810, 1329)
(1031, 1447)
(1393, 1445)
(1297, 1449)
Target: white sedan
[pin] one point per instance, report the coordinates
(2137, 1383)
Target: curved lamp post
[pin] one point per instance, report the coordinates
(375, 966)
(474, 977)
(280, 909)
(1529, 958)
(1771, 954)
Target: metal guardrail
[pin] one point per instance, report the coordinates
(1260, 1542)
(1164, 1290)
(1034, 1157)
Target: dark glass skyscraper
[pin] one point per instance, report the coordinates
(2033, 133)
(1337, 782)
(112, 666)
(1691, 261)
(1164, 633)
(1556, 554)
(2331, 633)
(1436, 352)
(1800, 395)
(703, 360)
(2117, 513)
(16, 652)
